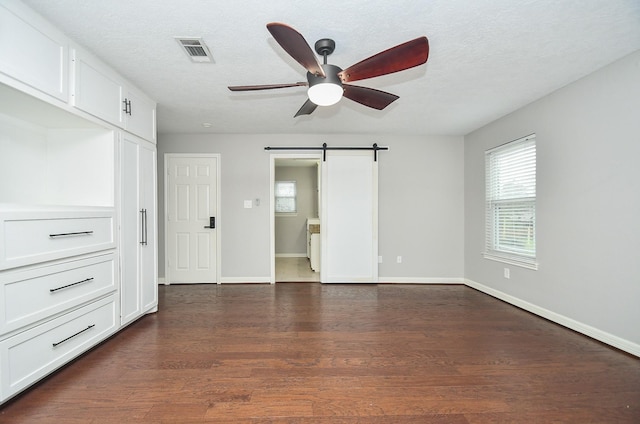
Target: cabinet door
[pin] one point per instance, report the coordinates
(140, 115)
(130, 235)
(97, 90)
(33, 52)
(139, 289)
(149, 247)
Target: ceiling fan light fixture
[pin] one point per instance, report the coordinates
(325, 94)
(327, 90)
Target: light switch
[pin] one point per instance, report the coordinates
(248, 204)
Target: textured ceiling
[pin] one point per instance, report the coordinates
(487, 57)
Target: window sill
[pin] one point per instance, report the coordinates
(528, 263)
(286, 214)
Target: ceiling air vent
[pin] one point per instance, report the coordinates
(195, 48)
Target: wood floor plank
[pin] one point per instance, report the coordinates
(333, 354)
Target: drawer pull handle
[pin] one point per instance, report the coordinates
(86, 280)
(74, 335)
(79, 233)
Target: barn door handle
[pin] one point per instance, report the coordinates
(212, 222)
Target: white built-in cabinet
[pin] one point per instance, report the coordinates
(96, 90)
(33, 51)
(138, 228)
(100, 91)
(78, 252)
(139, 114)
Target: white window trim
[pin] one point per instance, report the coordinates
(511, 260)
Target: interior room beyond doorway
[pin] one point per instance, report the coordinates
(292, 249)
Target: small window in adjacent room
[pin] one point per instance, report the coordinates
(285, 197)
(510, 228)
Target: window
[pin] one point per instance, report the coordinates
(285, 194)
(511, 203)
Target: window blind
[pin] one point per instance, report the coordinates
(285, 197)
(511, 202)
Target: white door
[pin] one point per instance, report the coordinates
(349, 219)
(192, 221)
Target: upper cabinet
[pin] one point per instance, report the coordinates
(96, 90)
(37, 58)
(139, 114)
(33, 52)
(100, 91)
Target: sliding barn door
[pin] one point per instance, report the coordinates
(349, 219)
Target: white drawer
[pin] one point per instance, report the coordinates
(29, 238)
(28, 296)
(31, 355)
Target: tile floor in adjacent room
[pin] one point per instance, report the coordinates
(295, 270)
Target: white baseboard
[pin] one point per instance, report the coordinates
(419, 280)
(381, 280)
(291, 255)
(245, 280)
(603, 336)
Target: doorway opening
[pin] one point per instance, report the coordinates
(295, 217)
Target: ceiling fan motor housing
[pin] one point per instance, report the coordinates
(331, 72)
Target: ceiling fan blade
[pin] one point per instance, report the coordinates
(398, 58)
(265, 86)
(307, 108)
(369, 96)
(294, 43)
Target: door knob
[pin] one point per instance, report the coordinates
(212, 222)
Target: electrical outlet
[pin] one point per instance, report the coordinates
(379, 259)
(399, 259)
(507, 273)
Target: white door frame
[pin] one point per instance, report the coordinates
(218, 206)
(272, 214)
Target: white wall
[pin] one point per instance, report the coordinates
(588, 207)
(421, 197)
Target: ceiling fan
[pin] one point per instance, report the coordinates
(329, 83)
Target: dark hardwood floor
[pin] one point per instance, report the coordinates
(311, 353)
